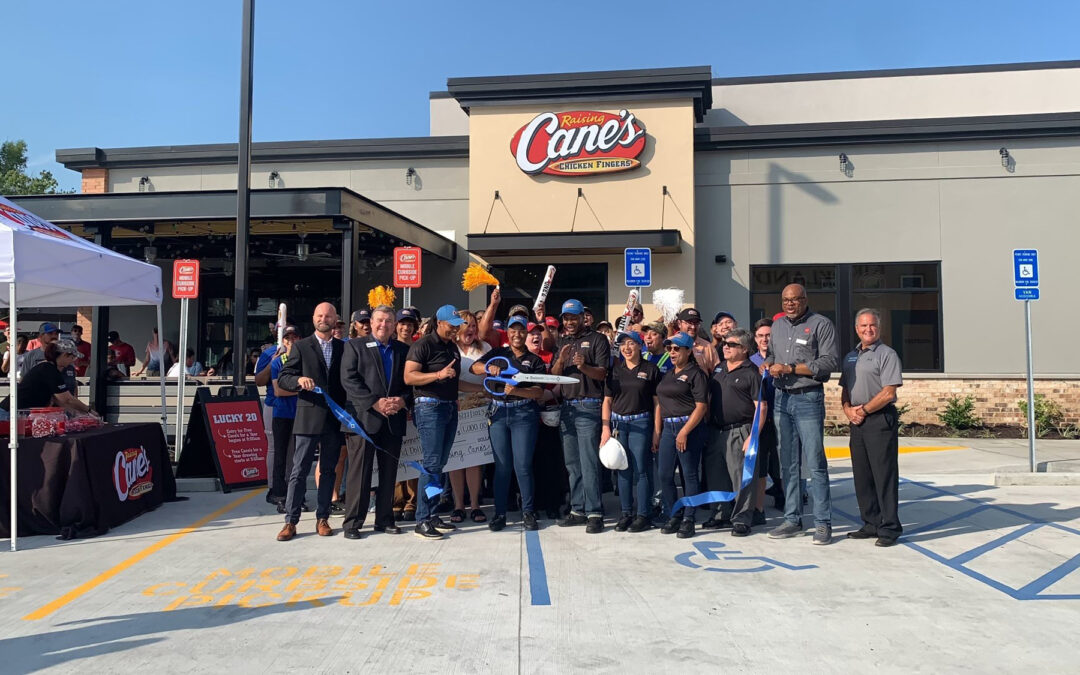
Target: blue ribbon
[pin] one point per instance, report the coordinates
(749, 464)
(434, 486)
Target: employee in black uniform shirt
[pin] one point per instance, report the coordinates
(584, 354)
(733, 389)
(679, 429)
(45, 383)
(629, 404)
(432, 369)
(513, 421)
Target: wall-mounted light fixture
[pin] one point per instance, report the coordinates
(149, 253)
(844, 163)
(1005, 158)
(720, 259)
(274, 177)
(410, 173)
(144, 182)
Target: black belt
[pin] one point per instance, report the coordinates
(729, 427)
(888, 408)
(802, 390)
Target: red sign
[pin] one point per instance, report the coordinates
(239, 439)
(133, 476)
(185, 279)
(407, 267)
(578, 143)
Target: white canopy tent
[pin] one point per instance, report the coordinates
(42, 265)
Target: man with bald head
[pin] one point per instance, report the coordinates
(314, 362)
(803, 353)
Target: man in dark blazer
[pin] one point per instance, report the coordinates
(373, 374)
(313, 362)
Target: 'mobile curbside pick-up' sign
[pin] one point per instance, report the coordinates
(579, 142)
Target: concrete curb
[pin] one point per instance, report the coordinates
(212, 485)
(1040, 479)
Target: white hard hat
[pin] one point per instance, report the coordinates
(613, 456)
(550, 417)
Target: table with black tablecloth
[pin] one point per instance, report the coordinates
(77, 486)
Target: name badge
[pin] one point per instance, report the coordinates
(642, 376)
(583, 345)
(682, 378)
(373, 344)
(800, 341)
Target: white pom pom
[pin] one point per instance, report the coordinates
(668, 301)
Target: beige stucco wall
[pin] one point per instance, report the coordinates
(446, 118)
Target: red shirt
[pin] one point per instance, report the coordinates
(125, 353)
(83, 362)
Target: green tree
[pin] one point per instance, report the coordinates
(13, 177)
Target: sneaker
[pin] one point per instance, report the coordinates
(740, 530)
(759, 518)
(624, 523)
(861, 533)
(497, 523)
(595, 526)
(786, 530)
(528, 521)
(640, 524)
(686, 529)
(426, 530)
(823, 534)
(671, 526)
(571, 520)
(442, 525)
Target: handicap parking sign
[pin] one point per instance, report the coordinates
(638, 267)
(1026, 268)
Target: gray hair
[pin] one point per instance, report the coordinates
(385, 309)
(868, 310)
(745, 338)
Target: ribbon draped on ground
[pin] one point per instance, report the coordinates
(431, 490)
(748, 469)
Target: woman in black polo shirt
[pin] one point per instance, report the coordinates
(45, 382)
(627, 413)
(679, 432)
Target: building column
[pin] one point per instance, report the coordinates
(95, 181)
(99, 327)
(350, 262)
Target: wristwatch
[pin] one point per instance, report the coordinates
(792, 366)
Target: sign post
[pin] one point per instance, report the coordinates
(1026, 283)
(407, 271)
(185, 287)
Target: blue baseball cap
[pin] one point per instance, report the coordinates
(408, 314)
(448, 313)
(720, 315)
(572, 307)
(497, 324)
(630, 335)
(518, 320)
(680, 340)
(48, 328)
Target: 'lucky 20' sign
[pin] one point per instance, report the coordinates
(579, 142)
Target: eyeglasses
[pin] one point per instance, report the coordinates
(733, 345)
(792, 301)
(674, 348)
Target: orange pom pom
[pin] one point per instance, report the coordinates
(476, 276)
(381, 295)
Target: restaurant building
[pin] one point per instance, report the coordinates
(902, 190)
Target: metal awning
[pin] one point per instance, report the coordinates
(573, 243)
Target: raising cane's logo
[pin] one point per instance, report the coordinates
(579, 142)
(132, 473)
(32, 222)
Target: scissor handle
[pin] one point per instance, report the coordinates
(505, 369)
(502, 380)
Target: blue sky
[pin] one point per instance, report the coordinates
(124, 73)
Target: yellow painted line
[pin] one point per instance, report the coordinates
(75, 593)
(838, 452)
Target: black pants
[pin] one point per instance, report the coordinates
(358, 478)
(280, 458)
(874, 465)
(549, 470)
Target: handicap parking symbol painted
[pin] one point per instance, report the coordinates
(718, 558)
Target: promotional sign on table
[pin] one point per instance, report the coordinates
(225, 436)
(407, 267)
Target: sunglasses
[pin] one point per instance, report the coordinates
(733, 345)
(674, 348)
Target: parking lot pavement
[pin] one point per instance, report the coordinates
(986, 580)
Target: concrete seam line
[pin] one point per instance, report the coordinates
(77, 592)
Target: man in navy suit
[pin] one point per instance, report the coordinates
(373, 375)
(313, 362)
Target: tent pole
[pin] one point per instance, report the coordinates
(161, 373)
(13, 407)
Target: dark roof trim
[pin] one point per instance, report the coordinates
(692, 82)
(570, 243)
(897, 72)
(279, 151)
(439, 94)
(220, 205)
(887, 131)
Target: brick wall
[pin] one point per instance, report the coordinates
(95, 181)
(995, 399)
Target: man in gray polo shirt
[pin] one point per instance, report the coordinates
(868, 384)
(802, 354)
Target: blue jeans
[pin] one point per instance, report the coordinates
(436, 424)
(800, 424)
(636, 481)
(689, 461)
(329, 446)
(513, 442)
(579, 425)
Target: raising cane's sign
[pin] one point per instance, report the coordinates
(579, 142)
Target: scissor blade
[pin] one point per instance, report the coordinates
(546, 379)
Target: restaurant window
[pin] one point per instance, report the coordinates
(908, 296)
(586, 282)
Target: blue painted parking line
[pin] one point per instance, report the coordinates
(538, 585)
(968, 556)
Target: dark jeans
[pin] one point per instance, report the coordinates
(800, 422)
(579, 424)
(328, 444)
(280, 458)
(874, 454)
(436, 424)
(513, 441)
(688, 461)
(635, 481)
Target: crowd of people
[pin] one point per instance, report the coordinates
(680, 401)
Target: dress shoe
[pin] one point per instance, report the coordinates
(528, 521)
(672, 526)
(352, 533)
(426, 530)
(595, 526)
(441, 525)
(624, 523)
(640, 524)
(287, 532)
(497, 523)
(686, 529)
(740, 530)
(861, 534)
(572, 519)
(322, 526)
(388, 529)
(885, 541)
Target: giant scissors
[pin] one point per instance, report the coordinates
(509, 375)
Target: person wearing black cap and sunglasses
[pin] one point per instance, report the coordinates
(705, 354)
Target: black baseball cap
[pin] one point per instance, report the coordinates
(408, 314)
(361, 315)
(720, 315)
(690, 314)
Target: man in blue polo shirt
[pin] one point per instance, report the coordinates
(283, 412)
(262, 379)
